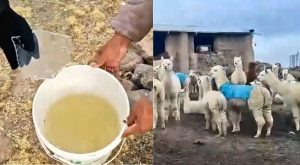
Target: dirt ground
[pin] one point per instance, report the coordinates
(174, 145)
(88, 24)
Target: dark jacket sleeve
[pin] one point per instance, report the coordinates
(4, 5)
(135, 19)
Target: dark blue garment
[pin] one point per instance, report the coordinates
(231, 91)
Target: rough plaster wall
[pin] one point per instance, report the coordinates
(177, 46)
(235, 46)
(192, 58)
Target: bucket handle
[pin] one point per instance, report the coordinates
(116, 155)
(61, 160)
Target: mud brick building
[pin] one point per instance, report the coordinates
(195, 48)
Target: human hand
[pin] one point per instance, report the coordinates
(140, 119)
(110, 55)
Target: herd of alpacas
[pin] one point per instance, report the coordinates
(222, 107)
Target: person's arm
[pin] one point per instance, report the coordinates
(132, 24)
(135, 19)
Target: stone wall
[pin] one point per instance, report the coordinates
(177, 47)
(231, 46)
(226, 47)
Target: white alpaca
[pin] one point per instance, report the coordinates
(253, 95)
(216, 106)
(275, 70)
(238, 76)
(172, 88)
(192, 82)
(287, 76)
(158, 103)
(290, 93)
(193, 106)
(157, 72)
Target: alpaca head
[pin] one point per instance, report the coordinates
(265, 74)
(285, 73)
(275, 68)
(256, 83)
(167, 64)
(237, 61)
(206, 82)
(217, 72)
(198, 79)
(192, 73)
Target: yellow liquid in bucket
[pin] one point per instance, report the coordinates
(81, 123)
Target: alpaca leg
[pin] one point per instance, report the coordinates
(161, 115)
(224, 123)
(239, 118)
(219, 123)
(175, 109)
(296, 115)
(155, 114)
(167, 114)
(260, 121)
(296, 120)
(269, 119)
(213, 122)
(233, 119)
(207, 119)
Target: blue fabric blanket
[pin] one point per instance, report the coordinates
(231, 91)
(182, 77)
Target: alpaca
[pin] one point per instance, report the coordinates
(279, 70)
(275, 70)
(238, 76)
(157, 74)
(172, 88)
(158, 103)
(193, 106)
(185, 82)
(241, 95)
(193, 82)
(289, 92)
(216, 106)
(287, 76)
(251, 74)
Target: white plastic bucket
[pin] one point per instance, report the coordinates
(79, 79)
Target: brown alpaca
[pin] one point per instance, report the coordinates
(251, 74)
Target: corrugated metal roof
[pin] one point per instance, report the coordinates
(196, 29)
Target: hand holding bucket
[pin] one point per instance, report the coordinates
(79, 79)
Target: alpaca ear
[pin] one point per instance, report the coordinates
(171, 58)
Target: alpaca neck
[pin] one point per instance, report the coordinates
(200, 92)
(276, 73)
(207, 90)
(221, 80)
(276, 84)
(239, 67)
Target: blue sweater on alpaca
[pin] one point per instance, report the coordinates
(231, 91)
(182, 77)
